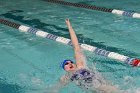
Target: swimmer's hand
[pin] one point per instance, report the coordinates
(68, 22)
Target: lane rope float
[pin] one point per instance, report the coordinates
(92, 7)
(96, 50)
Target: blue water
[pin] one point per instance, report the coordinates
(30, 64)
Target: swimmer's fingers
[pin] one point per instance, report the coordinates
(67, 19)
(68, 22)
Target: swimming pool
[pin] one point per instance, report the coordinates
(29, 64)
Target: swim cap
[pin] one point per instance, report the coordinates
(136, 62)
(64, 62)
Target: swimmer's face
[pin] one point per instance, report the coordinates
(70, 66)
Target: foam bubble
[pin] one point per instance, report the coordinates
(36, 81)
(128, 78)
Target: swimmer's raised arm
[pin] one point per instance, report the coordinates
(76, 46)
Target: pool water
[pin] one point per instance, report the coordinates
(31, 64)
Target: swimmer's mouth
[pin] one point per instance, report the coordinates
(71, 66)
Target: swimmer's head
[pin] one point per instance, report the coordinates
(68, 65)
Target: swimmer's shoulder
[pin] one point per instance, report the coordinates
(65, 79)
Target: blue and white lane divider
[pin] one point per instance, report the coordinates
(126, 13)
(98, 51)
(92, 7)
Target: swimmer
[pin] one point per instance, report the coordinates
(80, 74)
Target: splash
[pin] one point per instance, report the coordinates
(138, 90)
